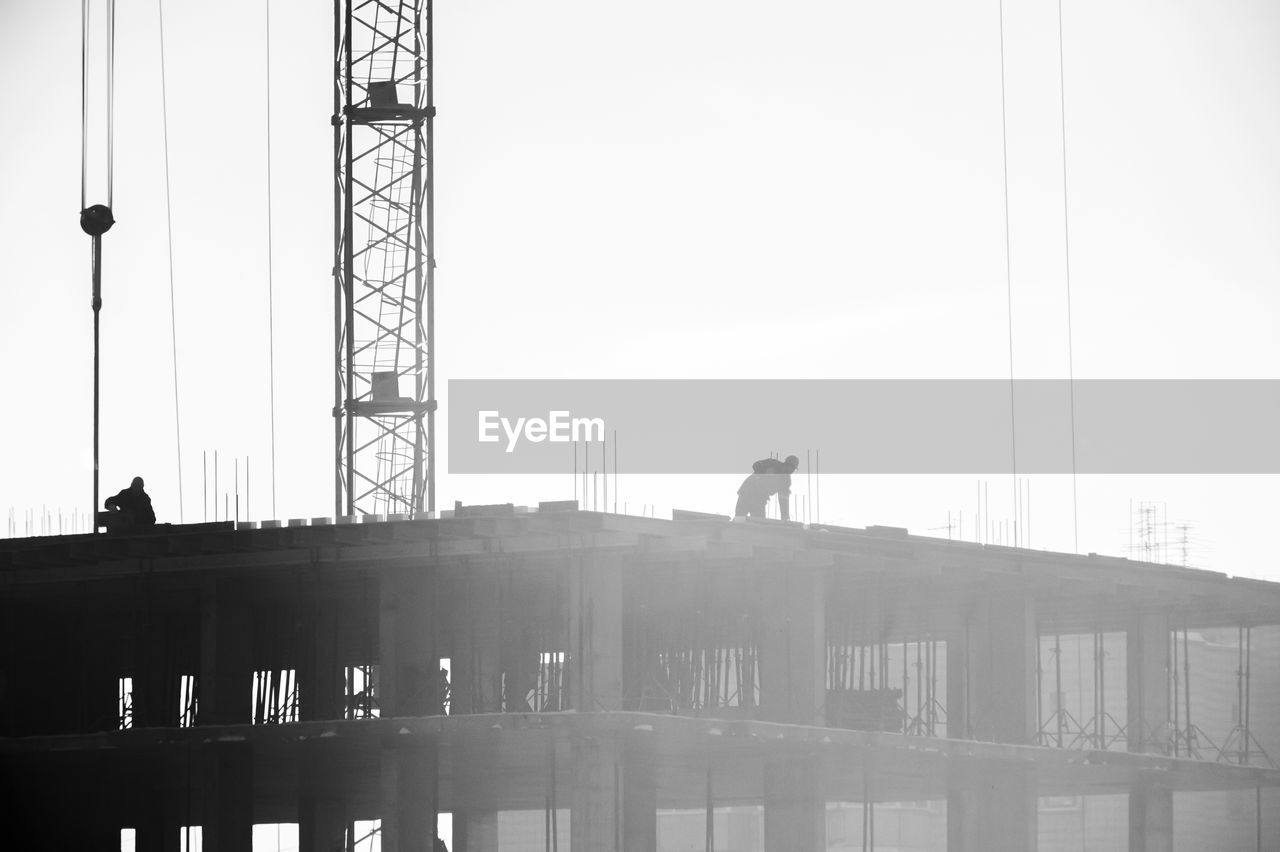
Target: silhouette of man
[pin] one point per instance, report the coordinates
(769, 477)
(130, 509)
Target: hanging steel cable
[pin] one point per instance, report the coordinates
(271, 300)
(96, 219)
(168, 213)
(1066, 246)
(1008, 273)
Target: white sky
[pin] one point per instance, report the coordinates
(671, 189)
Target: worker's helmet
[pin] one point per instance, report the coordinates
(794, 461)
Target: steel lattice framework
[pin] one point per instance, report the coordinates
(384, 390)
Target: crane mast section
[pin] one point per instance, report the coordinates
(383, 143)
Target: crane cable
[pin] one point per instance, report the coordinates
(271, 320)
(168, 212)
(97, 220)
(1066, 248)
(84, 104)
(111, 100)
(84, 100)
(1008, 275)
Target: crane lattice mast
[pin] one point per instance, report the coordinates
(384, 388)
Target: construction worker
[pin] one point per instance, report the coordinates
(769, 477)
(129, 510)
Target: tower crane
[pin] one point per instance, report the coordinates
(384, 261)
(383, 266)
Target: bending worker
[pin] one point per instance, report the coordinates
(130, 509)
(769, 477)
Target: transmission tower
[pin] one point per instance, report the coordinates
(384, 390)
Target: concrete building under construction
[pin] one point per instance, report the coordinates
(607, 682)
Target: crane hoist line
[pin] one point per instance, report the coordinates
(97, 218)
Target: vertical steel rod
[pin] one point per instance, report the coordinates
(97, 311)
(430, 227)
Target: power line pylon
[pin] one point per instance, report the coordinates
(384, 390)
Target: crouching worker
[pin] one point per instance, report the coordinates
(130, 510)
(769, 477)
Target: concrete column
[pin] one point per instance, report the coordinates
(639, 804)
(793, 685)
(475, 831)
(795, 811)
(155, 682)
(1147, 676)
(98, 833)
(157, 825)
(958, 654)
(991, 807)
(86, 820)
(320, 681)
(322, 816)
(991, 696)
(1150, 818)
(226, 663)
(476, 665)
(1147, 681)
(322, 824)
(152, 834)
(475, 816)
(1001, 668)
(408, 788)
(744, 828)
(100, 674)
(594, 794)
(595, 630)
(613, 800)
(227, 816)
(410, 665)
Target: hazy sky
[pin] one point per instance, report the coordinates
(691, 189)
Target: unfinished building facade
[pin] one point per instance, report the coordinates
(601, 670)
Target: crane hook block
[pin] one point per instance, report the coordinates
(96, 220)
